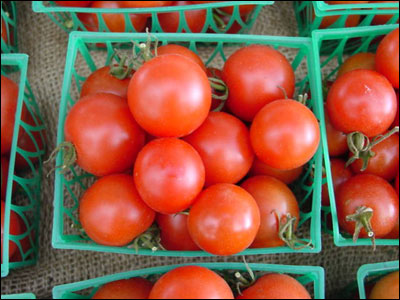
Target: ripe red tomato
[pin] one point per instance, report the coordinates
(174, 233)
(191, 282)
(73, 3)
(364, 61)
(230, 213)
(328, 21)
(112, 213)
(387, 57)
(285, 134)
(396, 120)
(243, 9)
(4, 176)
(177, 49)
(233, 29)
(276, 286)
(368, 191)
(337, 140)
(396, 183)
(134, 288)
(105, 147)
(386, 288)
(169, 174)
(340, 174)
(255, 76)
(14, 229)
(223, 143)
(4, 31)
(274, 199)
(179, 104)
(394, 234)
(195, 19)
(26, 244)
(383, 19)
(143, 4)
(369, 105)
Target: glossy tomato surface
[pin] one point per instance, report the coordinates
(134, 288)
(365, 61)
(387, 57)
(337, 140)
(177, 49)
(286, 176)
(340, 174)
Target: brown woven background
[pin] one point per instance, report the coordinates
(46, 45)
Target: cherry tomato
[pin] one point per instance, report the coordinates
(90, 22)
(275, 286)
(224, 220)
(396, 183)
(396, 120)
(328, 21)
(340, 174)
(233, 29)
(369, 104)
(243, 9)
(195, 19)
(386, 288)
(394, 234)
(387, 57)
(175, 234)
(73, 3)
(134, 288)
(365, 61)
(368, 191)
(191, 282)
(14, 229)
(105, 147)
(255, 76)
(285, 134)
(144, 4)
(4, 31)
(383, 19)
(26, 244)
(177, 49)
(4, 176)
(337, 140)
(112, 213)
(275, 200)
(179, 104)
(223, 143)
(169, 174)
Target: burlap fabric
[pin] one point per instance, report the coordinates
(46, 45)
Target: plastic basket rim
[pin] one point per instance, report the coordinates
(19, 296)
(323, 9)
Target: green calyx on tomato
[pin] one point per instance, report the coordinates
(219, 86)
(363, 217)
(287, 225)
(69, 157)
(121, 70)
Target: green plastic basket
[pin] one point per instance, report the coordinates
(9, 16)
(19, 296)
(66, 17)
(312, 277)
(81, 61)
(362, 39)
(371, 272)
(25, 199)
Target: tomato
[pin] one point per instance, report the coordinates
(383, 19)
(4, 176)
(112, 213)
(394, 234)
(387, 287)
(108, 146)
(224, 21)
(286, 176)
(26, 244)
(285, 134)
(101, 81)
(217, 104)
(191, 282)
(337, 140)
(195, 19)
(396, 183)
(362, 100)
(274, 199)
(223, 143)
(175, 234)
(372, 192)
(145, 4)
(243, 9)
(177, 49)
(255, 76)
(365, 61)
(385, 163)
(179, 104)
(14, 229)
(4, 31)
(275, 286)
(224, 220)
(89, 20)
(169, 174)
(73, 3)
(345, 2)
(329, 21)
(387, 57)
(134, 288)
(340, 174)
(396, 120)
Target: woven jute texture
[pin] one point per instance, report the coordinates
(46, 46)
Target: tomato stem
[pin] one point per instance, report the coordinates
(69, 157)
(284, 92)
(218, 21)
(120, 71)
(287, 233)
(363, 217)
(150, 239)
(220, 86)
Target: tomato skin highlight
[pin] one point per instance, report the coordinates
(180, 50)
(134, 288)
(386, 288)
(387, 57)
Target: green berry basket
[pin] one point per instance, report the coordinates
(370, 273)
(362, 39)
(9, 27)
(19, 296)
(311, 277)
(67, 17)
(24, 197)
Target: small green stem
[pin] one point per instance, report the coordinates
(219, 22)
(284, 92)
(362, 218)
(69, 157)
(287, 233)
(219, 86)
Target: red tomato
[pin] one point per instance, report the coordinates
(275, 286)
(144, 4)
(372, 192)
(216, 103)
(223, 143)
(134, 288)
(329, 21)
(73, 3)
(169, 174)
(340, 174)
(177, 49)
(105, 147)
(255, 76)
(396, 120)
(175, 234)
(243, 9)
(195, 19)
(387, 57)
(346, 2)
(26, 244)
(230, 213)
(285, 134)
(101, 81)
(337, 140)
(386, 288)
(274, 199)
(191, 282)
(365, 61)
(4, 31)
(396, 183)
(369, 106)
(394, 234)
(112, 213)
(179, 104)
(89, 20)
(4, 176)
(233, 29)
(14, 229)
(382, 19)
